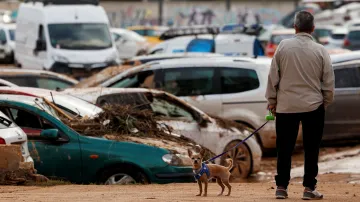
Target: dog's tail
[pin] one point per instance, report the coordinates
(230, 162)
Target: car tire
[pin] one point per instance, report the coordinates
(242, 160)
(122, 175)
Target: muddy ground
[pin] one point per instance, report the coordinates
(172, 192)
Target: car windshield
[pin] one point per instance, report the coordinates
(12, 34)
(276, 39)
(5, 122)
(87, 36)
(354, 35)
(74, 106)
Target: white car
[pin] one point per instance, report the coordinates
(185, 120)
(7, 42)
(230, 87)
(129, 43)
(226, 44)
(336, 39)
(11, 134)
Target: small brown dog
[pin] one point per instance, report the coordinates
(203, 172)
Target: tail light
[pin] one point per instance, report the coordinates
(2, 141)
(346, 42)
(270, 49)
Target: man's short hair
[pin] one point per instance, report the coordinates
(304, 21)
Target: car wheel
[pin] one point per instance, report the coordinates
(242, 160)
(123, 176)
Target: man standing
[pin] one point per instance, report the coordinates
(300, 87)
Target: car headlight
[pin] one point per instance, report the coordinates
(177, 160)
(59, 58)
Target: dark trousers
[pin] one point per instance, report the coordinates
(287, 127)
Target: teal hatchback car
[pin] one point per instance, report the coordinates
(60, 152)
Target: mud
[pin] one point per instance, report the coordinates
(244, 192)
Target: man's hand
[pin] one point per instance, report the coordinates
(272, 108)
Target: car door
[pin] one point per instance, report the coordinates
(57, 159)
(38, 55)
(342, 119)
(196, 85)
(241, 96)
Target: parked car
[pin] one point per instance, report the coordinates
(11, 134)
(185, 120)
(129, 43)
(7, 42)
(232, 88)
(61, 153)
(151, 33)
(276, 37)
(342, 118)
(36, 78)
(70, 37)
(336, 40)
(323, 32)
(352, 39)
(226, 44)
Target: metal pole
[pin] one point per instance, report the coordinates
(228, 5)
(161, 6)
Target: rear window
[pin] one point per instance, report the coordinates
(236, 80)
(354, 35)
(145, 32)
(338, 36)
(276, 39)
(322, 32)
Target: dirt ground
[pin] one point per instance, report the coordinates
(173, 192)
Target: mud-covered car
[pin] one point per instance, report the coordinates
(61, 153)
(216, 134)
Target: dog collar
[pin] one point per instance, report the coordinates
(204, 169)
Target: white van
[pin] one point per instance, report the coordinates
(64, 36)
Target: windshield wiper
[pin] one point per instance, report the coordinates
(5, 121)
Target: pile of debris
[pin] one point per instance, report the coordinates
(13, 171)
(129, 123)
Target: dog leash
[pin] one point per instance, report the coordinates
(269, 117)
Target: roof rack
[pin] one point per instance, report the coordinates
(189, 31)
(254, 29)
(64, 2)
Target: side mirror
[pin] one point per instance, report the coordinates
(50, 134)
(40, 45)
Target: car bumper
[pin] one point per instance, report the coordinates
(268, 136)
(171, 174)
(79, 70)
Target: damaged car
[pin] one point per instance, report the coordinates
(59, 152)
(214, 133)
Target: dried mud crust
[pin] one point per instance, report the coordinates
(20, 177)
(259, 192)
(127, 123)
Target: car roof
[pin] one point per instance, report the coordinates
(224, 59)
(283, 31)
(341, 30)
(27, 91)
(354, 29)
(338, 58)
(325, 27)
(18, 72)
